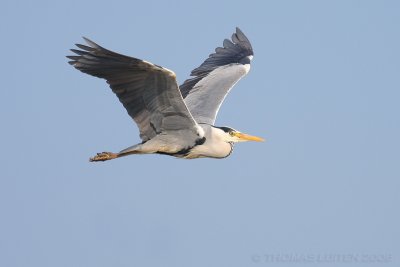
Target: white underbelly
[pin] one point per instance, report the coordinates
(210, 150)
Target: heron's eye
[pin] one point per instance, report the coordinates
(231, 133)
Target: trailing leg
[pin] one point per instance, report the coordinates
(103, 156)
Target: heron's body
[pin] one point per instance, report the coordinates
(210, 145)
(172, 120)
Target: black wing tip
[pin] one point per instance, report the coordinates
(92, 45)
(242, 40)
(240, 32)
(238, 49)
(87, 40)
(83, 50)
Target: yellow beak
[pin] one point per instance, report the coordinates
(247, 137)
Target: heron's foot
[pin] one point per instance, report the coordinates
(103, 156)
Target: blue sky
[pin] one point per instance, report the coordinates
(323, 90)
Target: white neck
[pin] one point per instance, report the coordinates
(216, 144)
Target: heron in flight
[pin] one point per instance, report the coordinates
(173, 120)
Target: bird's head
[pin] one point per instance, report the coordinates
(232, 135)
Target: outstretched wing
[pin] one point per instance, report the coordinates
(205, 92)
(149, 92)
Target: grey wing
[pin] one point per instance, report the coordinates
(149, 92)
(213, 79)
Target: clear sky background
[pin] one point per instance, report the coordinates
(324, 90)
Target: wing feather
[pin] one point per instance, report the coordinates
(213, 79)
(149, 92)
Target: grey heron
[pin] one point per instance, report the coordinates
(172, 120)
